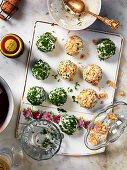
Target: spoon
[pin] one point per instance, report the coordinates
(78, 7)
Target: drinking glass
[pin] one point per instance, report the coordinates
(11, 154)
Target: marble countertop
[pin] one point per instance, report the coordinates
(13, 71)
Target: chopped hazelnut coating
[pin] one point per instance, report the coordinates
(92, 73)
(74, 45)
(87, 98)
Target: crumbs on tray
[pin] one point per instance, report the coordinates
(122, 93)
(103, 95)
(111, 84)
(68, 31)
(102, 102)
(82, 56)
(94, 42)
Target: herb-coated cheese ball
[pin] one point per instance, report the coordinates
(36, 95)
(41, 70)
(68, 124)
(92, 73)
(67, 69)
(87, 98)
(46, 42)
(58, 96)
(105, 49)
(74, 45)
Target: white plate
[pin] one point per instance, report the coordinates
(75, 143)
(72, 21)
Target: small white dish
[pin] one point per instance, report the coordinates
(70, 21)
(11, 104)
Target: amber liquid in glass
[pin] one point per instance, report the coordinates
(5, 163)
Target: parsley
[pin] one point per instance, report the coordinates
(76, 84)
(68, 9)
(53, 31)
(52, 24)
(47, 13)
(55, 76)
(61, 110)
(79, 19)
(74, 99)
(59, 80)
(47, 143)
(44, 132)
(69, 90)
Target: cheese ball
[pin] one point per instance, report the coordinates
(46, 42)
(87, 98)
(41, 70)
(68, 124)
(105, 49)
(74, 45)
(36, 95)
(58, 96)
(92, 73)
(67, 70)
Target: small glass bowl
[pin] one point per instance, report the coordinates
(41, 139)
(115, 128)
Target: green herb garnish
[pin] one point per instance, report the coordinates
(68, 9)
(55, 76)
(59, 80)
(61, 110)
(74, 99)
(52, 24)
(47, 13)
(69, 90)
(47, 143)
(76, 84)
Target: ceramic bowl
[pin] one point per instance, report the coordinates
(11, 104)
(68, 20)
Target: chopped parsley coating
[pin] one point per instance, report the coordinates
(41, 70)
(36, 95)
(105, 49)
(46, 42)
(58, 96)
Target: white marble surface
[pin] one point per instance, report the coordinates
(13, 71)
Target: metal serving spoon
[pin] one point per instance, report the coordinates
(78, 7)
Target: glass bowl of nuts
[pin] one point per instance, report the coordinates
(107, 126)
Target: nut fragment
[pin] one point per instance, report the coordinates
(122, 93)
(111, 84)
(112, 116)
(103, 95)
